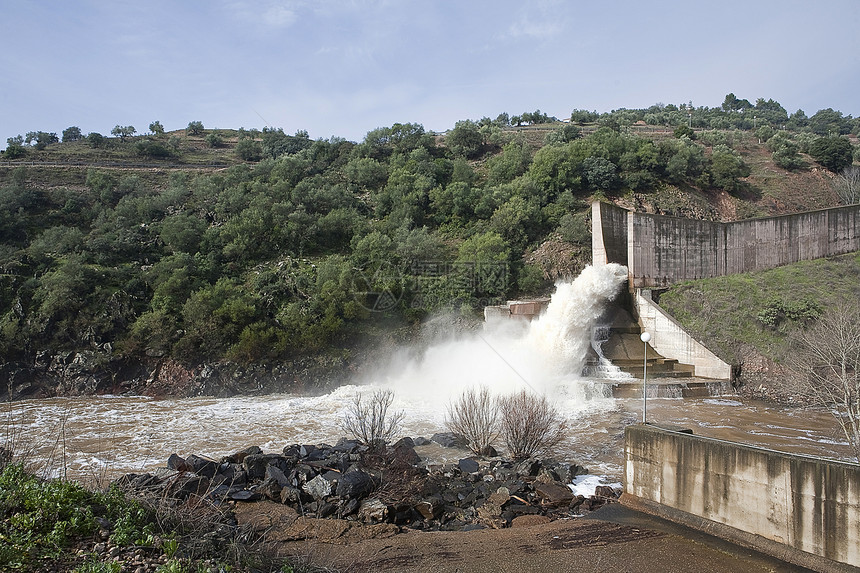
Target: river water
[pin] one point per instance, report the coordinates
(100, 438)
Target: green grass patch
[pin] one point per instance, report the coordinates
(759, 309)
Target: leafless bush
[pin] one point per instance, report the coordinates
(530, 424)
(827, 354)
(847, 185)
(475, 416)
(369, 420)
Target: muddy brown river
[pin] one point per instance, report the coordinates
(103, 437)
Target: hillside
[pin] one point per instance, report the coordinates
(230, 260)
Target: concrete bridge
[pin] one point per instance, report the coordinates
(660, 251)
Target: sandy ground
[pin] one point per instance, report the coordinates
(613, 539)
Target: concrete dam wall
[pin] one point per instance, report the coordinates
(660, 250)
(801, 509)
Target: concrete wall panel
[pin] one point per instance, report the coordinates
(660, 251)
(807, 504)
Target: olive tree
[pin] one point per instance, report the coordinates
(827, 356)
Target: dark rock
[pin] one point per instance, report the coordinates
(186, 484)
(404, 452)
(468, 465)
(201, 466)
(421, 441)
(301, 474)
(239, 457)
(255, 464)
(305, 451)
(271, 489)
(473, 527)
(230, 474)
(177, 463)
(605, 491)
(529, 467)
(450, 440)
(245, 495)
(350, 507)
(354, 484)
(292, 495)
(346, 446)
(326, 509)
(275, 473)
(293, 451)
(553, 494)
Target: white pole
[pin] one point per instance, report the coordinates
(645, 337)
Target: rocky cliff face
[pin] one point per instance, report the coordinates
(93, 372)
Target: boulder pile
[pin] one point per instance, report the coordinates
(387, 484)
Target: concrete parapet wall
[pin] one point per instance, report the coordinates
(670, 339)
(663, 250)
(802, 509)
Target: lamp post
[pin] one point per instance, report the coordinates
(645, 337)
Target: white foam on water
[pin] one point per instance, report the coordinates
(585, 485)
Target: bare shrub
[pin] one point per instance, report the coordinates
(369, 421)
(530, 424)
(827, 354)
(475, 416)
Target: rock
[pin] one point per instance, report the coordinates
(404, 452)
(177, 463)
(605, 491)
(354, 484)
(450, 440)
(231, 474)
(301, 474)
(291, 495)
(201, 466)
(245, 495)
(318, 488)
(255, 464)
(529, 467)
(350, 507)
(326, 509)
(238, 457)
(421, 441)
(373, 511)
(346, 446)
(271, 489)
(529, 520)
(430, 508)
(187, 484)
(553, 494)
(468, 465)
(275, 473)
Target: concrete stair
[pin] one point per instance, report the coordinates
(624, 349)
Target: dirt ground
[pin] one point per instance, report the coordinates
(614, 539)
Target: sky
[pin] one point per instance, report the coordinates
(344, 67)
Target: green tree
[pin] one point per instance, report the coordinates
(72, 134)
(834, 153)
(829, 122)
(95, 139)
(249, 150)
(194, 128)
(214, 139)
(726, 168)
(465, 139)
(123, 131)
(156, 128)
